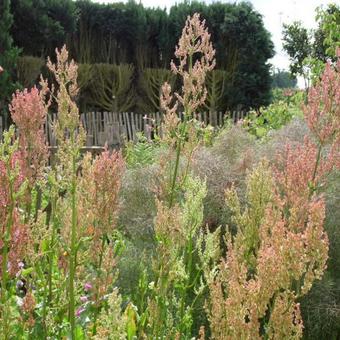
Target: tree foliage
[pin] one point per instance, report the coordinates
(40, 26)
(329, 30)
(283, 79)
(8, 55)
(296, 42)
(310, 49)
(109, 87)
(145, 37)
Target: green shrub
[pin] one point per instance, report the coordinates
(107, 87)
(140, 153)
(275, 116)
(28, 70)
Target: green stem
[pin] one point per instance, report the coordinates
(44, 312)
(28, 207)
(73, 249)
(94, 328)
(317, 163)
(180, 140)
(51, 257)
(187, 283)
(197, 295)
(37, 203)
(174, 176)
(187, 167)
(5, 251)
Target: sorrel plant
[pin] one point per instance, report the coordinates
(59, 264)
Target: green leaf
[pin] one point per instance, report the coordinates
(131, 327)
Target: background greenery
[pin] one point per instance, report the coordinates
(143, 40)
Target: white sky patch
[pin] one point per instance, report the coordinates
(275, 13)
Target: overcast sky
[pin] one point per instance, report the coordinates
(275, 13)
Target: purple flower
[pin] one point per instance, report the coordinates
(87, 286)
(20, 284)
(79, 311)
(83, 299)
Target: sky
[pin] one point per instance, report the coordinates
(275, 13)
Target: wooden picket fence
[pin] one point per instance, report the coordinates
(114, 129)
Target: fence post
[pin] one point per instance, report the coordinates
(1, 128)
(133, 127)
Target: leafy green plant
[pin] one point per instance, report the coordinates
(140, 153)
(276, 115)
(329, 20)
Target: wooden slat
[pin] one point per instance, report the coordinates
(128, 126)
(110, 127)
(205, 118)
(140, 122)
(158, 124)
(1, 129)
(133, 127)
(120, 122)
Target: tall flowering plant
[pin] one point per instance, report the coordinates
(195, 55)
(84, 199)
(99, 187)
(273, 260)
(15, 235)
(280, 247)
(70, 136)
(171, 299)
(22, 163)
(29, 111)
(58, 268)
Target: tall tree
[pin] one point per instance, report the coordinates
(45, 22)
(297, 43)
(309, 50)
(251, 47)
(8, 56)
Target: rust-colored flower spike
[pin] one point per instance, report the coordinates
(322, 112)
(105, 174)
(99, 201)
(171, 119)
(303, 171)
(28, 307)
(28, 110)
(65, 73)
(287, 255)
(196, 57)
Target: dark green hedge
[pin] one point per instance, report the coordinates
(146, 38)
